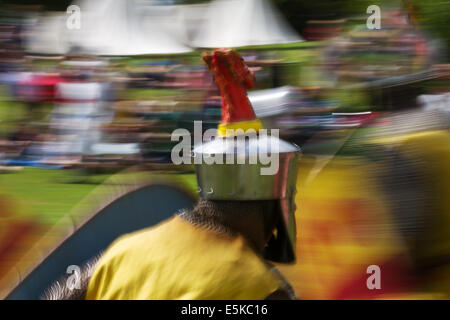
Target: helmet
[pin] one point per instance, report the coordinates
(234, 166)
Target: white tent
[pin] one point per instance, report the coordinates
(169, 18)
(47, 35)
(237, 23)
(181, 21)
(119, 27)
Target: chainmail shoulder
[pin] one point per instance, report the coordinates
(206, 223)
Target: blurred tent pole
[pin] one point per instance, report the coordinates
(238, 23)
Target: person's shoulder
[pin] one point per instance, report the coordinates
(133, 240)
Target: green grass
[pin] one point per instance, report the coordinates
(45, 195)
(10, 112)
(150, 94)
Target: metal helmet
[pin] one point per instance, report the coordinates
(234, 166)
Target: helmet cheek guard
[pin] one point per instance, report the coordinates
(281, 245)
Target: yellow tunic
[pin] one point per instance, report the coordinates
(176, 260)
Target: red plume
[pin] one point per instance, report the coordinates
(233, 78)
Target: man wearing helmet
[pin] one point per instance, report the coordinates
(218, 250)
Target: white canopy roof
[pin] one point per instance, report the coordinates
(108, 27)
(47, 35)
(237, 23)
(120, 27)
